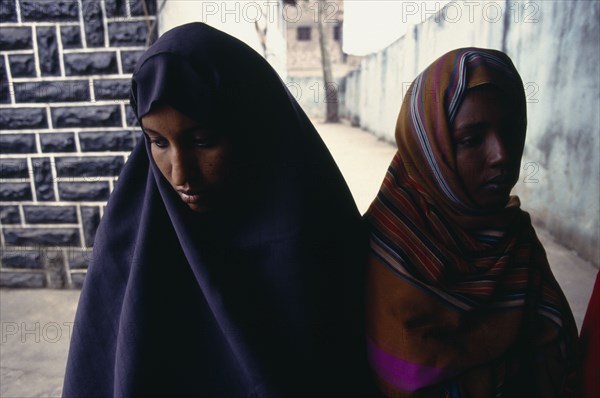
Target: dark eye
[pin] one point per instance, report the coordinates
(159, 142)
(203, 142)
(468, 142)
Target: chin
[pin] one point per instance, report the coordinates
(198, 208)
(495, 204)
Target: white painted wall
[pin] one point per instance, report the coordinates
(554, 45)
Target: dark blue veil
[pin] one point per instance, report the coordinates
(262, 298)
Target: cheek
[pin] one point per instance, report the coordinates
(223, 165)
(218, 165)
(162, 163)
(468, 165)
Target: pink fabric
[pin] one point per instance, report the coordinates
(405, 375)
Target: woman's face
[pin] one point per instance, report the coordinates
(488, 139)
(197, 162)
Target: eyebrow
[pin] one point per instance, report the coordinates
(470, 125)
(184, 131)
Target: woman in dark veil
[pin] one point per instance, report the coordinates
(229, 261)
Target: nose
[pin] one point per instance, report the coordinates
(499, 151)
(181, 168)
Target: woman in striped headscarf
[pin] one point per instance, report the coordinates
(461, 300)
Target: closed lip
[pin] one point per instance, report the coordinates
(502, 181)
(191, 196)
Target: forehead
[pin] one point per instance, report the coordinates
(487, 92)
(164, 119)
(484, 102)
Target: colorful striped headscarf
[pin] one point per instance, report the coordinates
(461, 302)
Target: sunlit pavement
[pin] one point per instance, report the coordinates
(36, 324)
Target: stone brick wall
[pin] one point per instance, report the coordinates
(66, 128)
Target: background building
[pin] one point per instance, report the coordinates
(260, 23)
(304, 68)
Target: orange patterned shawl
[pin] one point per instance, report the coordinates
(461, 303)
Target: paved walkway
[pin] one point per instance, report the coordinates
(36, 324)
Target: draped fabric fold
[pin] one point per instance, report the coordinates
(461, 301)
(260, 298)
